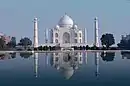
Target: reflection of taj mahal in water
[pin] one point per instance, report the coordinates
(66, 33)
(67, 63)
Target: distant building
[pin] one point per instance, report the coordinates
(6, 38)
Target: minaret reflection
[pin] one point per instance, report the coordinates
(86, 58)
(66, 63)
(36, 64)
(96, 55)
(47, 58)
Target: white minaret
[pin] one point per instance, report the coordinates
(96, 32)
(46, 35)
(35, 33)
(86, 36)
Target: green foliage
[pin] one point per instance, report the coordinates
(84, 48)
(104, 48)
(45, 48)
(12, 43)
(80, 47)
(124, 44)
(87, 47)
(40, 48)
(75, 47)
(35, 49)
(50, 47)
(2, 44)
(94, 48)
(25, 42)
(107, 40)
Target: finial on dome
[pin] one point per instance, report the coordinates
(65, 13)
(35, 18)
(96, 18)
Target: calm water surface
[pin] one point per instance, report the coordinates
(61, 69)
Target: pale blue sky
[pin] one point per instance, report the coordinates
(17, 15)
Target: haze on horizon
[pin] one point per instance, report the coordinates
(17, 16)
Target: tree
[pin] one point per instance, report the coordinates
(87, 47)
(75, 47)
(45, 48)
(25, 42)
(84, 47)
(40, 48)
(80, 47)
(2, 43)
(107, 40)
(124, 44)
(12, 43)
(94, 47)
(108, 56)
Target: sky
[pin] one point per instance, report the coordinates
(17, 16)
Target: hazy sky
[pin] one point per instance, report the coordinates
(17, 16)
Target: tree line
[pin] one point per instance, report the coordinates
(24, 42)
(107, 40)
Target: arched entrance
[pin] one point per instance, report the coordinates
(66, 37)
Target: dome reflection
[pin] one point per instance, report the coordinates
(66, 63)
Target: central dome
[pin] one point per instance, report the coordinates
(65, 21)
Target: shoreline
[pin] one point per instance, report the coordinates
(59, 51)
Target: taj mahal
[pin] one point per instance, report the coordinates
(65, 34)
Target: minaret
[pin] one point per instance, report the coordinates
(35, 33)
(85, 34)
(96, 32)
(46, 35)
(36, 64)
(51, 35)
(83, 31)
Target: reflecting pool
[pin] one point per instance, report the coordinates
(68, 68)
